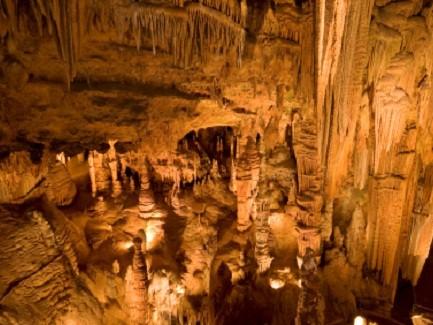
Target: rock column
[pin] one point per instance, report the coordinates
(137, 286)
(247, 178)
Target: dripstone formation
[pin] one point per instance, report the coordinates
(216, 162)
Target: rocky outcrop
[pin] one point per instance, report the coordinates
(19, 176)
(38, 283)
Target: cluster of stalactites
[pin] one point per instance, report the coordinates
(231, 8)
(104, 171)
(195, 31)
(192, 33)
(62, 19)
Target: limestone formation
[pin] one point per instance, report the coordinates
(247, 178)
(60, 187)
(216, 161)
(136, 287)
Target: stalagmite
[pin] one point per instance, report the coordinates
(355, 239)
(262, 232)
(247, 177)
(92, 173)
(309, 180)
(100, 173)
(310, 303)
(136, 287)
(113, 165)
(155, 217)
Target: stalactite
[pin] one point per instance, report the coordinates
(421, 229)
(231, 8)
(361, 159)
(384, 227)
(179, 3)
(64, 21)
(216, 34)
(194, 32)
(341, 63)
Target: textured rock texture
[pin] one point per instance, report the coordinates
(215, 161)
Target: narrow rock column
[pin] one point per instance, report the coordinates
(99, 172)
(247, 178)
(92, 173)
(113, 165)
(147, 208)
(309, 199)
(262, 232)
(137, 286)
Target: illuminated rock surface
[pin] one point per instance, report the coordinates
(216, 161)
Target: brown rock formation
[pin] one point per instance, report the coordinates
(274, 157)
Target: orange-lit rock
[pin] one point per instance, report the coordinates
(274, 158)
